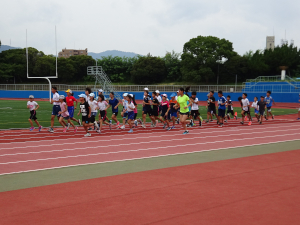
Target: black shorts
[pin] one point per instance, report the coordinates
(92, 119)
(261, 112)
(230, 111)
(33, 115)
(103, 115)
(211, 110)
(149, 112)
(247, 112)
(164, 114)
(195, 113)
(135, 115)
(85, 119)
(154, 112)
(221, 113)
(184, 114)
(115, 113)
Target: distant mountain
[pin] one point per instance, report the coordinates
(6, 47)
(112, 53)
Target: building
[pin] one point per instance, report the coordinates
(66, 53)
(270, 42)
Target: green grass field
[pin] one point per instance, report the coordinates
(14, 114)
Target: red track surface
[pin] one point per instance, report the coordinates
(254, 190)
(22, 151)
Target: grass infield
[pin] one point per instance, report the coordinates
(14, 114)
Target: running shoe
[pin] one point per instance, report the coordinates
(186, 132)
(143, 126)
(31, 128)
(75, 129)
(51, 130)
(152, 124)
(246, 118)
(165, 124)
(40, 128)
(298, 119)
(110, 121)
(90, 128)
(225, 121)
(191, 123)
(87, 135)
(130, 131)
(211, 120)
(273, 117)
(96, 125)
(65, 130)
(178, 120)
(123, 127)
(206, 121)
(136, 123)
(260, 122)
(242, 122)
(68, 126)
(140, 121)
(221, 125)
(79, 122)
(169, 128)
(118, 123)
(98, 131)
(266, 117)
(249, 124)
(172, 127)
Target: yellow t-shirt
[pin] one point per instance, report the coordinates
(182, 101)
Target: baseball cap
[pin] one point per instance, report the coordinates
(165, 95)
(100, 90)
(61, 97)
(173, 95)
(125, 94)
(92, 95)
(157, 92)
(131, 95)
(177, 91)
(146, 89)
(82, 96)
(31, 96)
(69, 90)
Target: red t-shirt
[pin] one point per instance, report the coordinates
(70, 100)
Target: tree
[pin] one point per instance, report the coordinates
(148, 70)
(173, 65)
(201, 55)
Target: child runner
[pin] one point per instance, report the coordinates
(130, 109)
(55, 109)
(85, 111)
(211, 106)
(299, 110)
(114, 104)
(184, 108)
(159, 100)
(124, 112)
(261, 107)
(178, 110)
(64, 114)
(165, 107)
(93, 104)
(245, 110)
(195, 108)
(147, 108)
(230, 108)
(88, 91)
(173, 111)
(155, 109)
(135, 111)
(221, 108)
(269, 100)
(256, 108)
(102, 104)
(33, 106)
(70, 102)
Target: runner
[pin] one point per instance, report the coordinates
(31, 105)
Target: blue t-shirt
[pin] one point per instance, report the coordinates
(114, 102)
(269, 101)
(220, 101)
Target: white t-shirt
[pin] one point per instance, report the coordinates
(32, 105)
(245, 103)
(159, 98)
(195, 105)
(93, 104)
(255, 106)
(87, 98)
(131, 105)
(55, 98)
(102, 105)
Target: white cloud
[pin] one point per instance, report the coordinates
(144, 26)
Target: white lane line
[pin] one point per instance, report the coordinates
(144, 149)
(147, 157)
(202, 132)
(136, 143)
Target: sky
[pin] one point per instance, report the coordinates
(144, 26)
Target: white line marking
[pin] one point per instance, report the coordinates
(148, 157)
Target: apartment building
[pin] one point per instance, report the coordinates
(66, 53)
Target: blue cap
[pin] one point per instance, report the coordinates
(173, 95)
(82, 96)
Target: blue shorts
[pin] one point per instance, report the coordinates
(55, 110)
(130, 115)
(125, 115)
(269, 108)
(71, 111)
(256, 111)
(173, 114)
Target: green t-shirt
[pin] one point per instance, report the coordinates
(182, 101)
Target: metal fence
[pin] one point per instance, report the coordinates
(274, 88)
(123, 88)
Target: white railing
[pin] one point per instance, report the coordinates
(122, 88)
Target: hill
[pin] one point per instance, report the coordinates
(6, 47)
(112, 53)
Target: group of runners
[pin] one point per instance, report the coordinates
(180, 108)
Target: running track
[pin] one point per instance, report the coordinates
(24, 151)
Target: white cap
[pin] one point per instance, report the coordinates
(177, 91)
(131, 95)
(146, 89)
(31, 96)
(92, 95)
(100, 90)
(165, 95)
(157, 92)
(125, 94)
(82, 96)
(61, 97)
